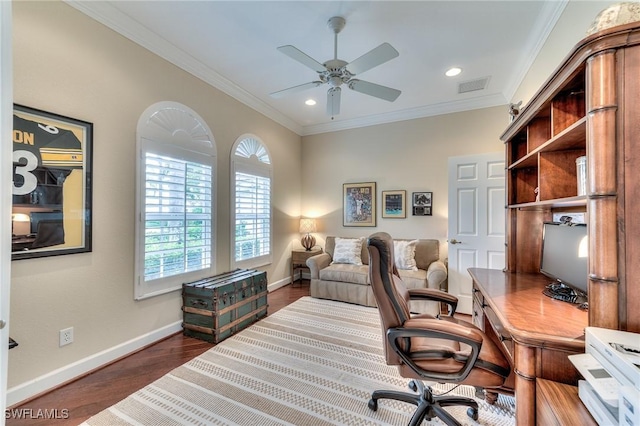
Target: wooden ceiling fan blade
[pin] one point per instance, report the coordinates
(376, 90)
(381, 54)
(302, 57)
(295, 89)
(333, 101)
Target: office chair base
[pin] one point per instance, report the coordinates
(429, 405)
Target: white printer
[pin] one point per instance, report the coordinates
(611, 368)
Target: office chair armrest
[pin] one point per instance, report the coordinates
(435, 295)
(400, 338)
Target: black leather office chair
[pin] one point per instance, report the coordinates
(428, 348)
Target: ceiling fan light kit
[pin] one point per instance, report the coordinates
(336, 72)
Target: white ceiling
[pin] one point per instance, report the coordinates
(232, 45)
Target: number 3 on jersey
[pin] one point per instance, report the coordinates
(29, 179)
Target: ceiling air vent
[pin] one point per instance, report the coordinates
(473, 85)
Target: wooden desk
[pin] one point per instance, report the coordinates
(299, 259)
(537, 332)
(558, 404)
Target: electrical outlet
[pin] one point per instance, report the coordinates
(66, 336)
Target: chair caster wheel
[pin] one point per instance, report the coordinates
(413, 385)
(472, 413)
(373, 404)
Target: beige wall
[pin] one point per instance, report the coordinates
(409, 155)
(69, 64)
(568, 31)
(65, 62)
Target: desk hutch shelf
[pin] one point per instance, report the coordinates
(589, 106)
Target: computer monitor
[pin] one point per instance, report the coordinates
(565, 251)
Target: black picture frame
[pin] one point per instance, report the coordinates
(422, 203)
(52, 186)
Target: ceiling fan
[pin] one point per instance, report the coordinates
(336, 72)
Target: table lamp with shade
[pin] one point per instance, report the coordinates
(19, 217)
(307, 226)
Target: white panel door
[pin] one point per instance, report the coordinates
(476, 220)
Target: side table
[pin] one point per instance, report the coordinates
(299, 259)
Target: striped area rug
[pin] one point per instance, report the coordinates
(314, 362)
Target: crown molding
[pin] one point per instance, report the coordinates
(111, 17)
(409, 114)
(547, 20)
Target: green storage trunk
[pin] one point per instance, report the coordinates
(215, 308)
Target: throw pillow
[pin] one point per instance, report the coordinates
(405, 254)
(348, 250)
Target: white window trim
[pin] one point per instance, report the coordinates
(252, 166)
(170, 128)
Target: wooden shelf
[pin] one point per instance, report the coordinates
(573, 137)
(577, 201)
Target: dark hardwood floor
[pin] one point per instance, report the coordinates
(75, 402)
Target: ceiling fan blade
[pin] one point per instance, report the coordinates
(333, 101)
(302, 57)
(373, 58)
(282, 93)
(372, 89)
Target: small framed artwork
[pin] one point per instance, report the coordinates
(422, 203)
(393, 204)
(51, 194)
(359, 204)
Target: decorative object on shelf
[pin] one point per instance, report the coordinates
(52, 156)
(359, 204)
(581, 174)
(422, 203)
(307, 226)
(614, 15)
(393, 204)
(514, 110)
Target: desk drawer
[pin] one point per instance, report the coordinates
(501, 333)
(478, 306)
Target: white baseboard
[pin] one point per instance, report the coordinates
(278, 284)
(53, 379)
(49, 381)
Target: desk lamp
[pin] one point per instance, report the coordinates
(19, 217)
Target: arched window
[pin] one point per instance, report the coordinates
(250, 202)
(175, 199)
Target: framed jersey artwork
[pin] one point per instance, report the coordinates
(52, 160)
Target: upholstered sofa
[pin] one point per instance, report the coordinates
(346, 280)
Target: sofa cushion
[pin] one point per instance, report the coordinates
(414, 279)
(348, 250)
(404, 253)
(330, 244)
(427, 252)
(356, 274)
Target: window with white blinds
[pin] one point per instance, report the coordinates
(177, 216)
(253, 216)
(175, 200)
(251, 234)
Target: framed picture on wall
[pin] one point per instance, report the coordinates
(393, 204)
(422, 203)
(51, 193)
(359, 204)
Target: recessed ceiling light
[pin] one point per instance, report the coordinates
(451, 72)
(310, 102)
